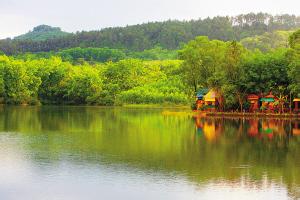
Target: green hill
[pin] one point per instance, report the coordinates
(43, 32)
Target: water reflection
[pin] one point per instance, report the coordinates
(110, 149)
(212, 128)
(209, 127)
(296, 128)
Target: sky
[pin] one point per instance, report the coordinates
(20, 16)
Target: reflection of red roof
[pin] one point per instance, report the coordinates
(253, 97)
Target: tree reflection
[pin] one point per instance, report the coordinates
(201, 149)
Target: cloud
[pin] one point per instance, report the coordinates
(12, 25)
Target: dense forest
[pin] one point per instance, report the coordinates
(260, 64)
(167, 35)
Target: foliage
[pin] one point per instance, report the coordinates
(2, 86)
(156, 53)
(267, 41)
(294, 40)
(55, 81)
(164, 91)
(294, 63)
(202, 58)
(19, 80)
(266, 72)
(91, 54)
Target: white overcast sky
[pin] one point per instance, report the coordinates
(20, 16)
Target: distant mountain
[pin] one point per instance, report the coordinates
(170, 34)
(43, 32)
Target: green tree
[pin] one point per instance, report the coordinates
(293, 55)
(234, 87)
(202, 57)
(265, 72)
(83, 85)
(52, 72)
(20, 82)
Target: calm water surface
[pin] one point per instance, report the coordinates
(70, 153)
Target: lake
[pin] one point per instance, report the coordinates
(71, 153)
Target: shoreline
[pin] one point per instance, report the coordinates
(234, 115)
(134, 106)
(185, 111)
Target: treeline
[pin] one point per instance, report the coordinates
(168, 35)
(52, 81)
(234, 72)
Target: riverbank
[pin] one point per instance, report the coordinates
(232, 114)
(154, 106)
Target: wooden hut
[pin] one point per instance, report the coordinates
(210, 100)
(296, 103)
(268, 102)
(254, 102)
(200, 97)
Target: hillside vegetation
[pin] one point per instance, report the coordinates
(167, 35)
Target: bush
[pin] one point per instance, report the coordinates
(164, 91)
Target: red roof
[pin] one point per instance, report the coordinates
(253, 97)
(270, 96)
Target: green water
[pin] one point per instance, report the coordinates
(118, 153)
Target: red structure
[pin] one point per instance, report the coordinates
(268, 102)
(199, 104)
(254, 102)
(296, 102)
(200, 98)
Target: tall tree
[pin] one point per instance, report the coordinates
(234, 86)
(202, 57)
(294, 63)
